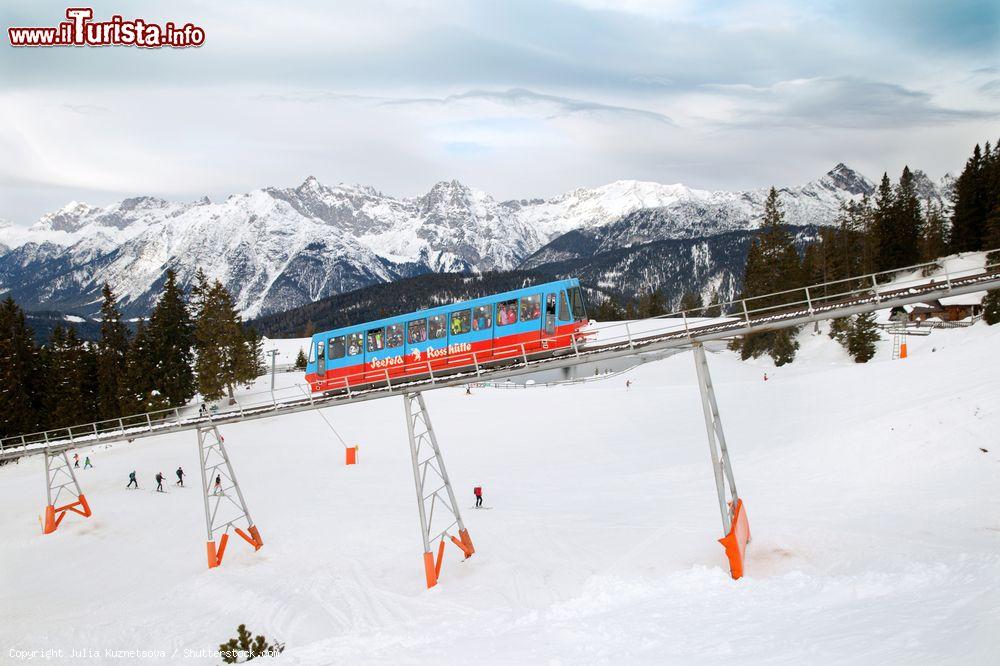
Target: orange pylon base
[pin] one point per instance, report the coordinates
(215, 555)
(736, 541)
(902, 350)
(432, 567)
(352, 455)
(55, 514)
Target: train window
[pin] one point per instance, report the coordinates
(564, 313)
(550, 305)
(319, 348)
(507, 312)
(417, 331)
(576, 300)
(436, 327)
(531, 307)
(335, 348)
(482, 318)
(376, 339)
(461, 322)
(394, 336)
(312, 352)
(355, 344)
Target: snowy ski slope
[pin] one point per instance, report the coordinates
(873, 511)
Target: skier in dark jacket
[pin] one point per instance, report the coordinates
(131, 480)
(159, 482)
(180, 477)
(218, 484)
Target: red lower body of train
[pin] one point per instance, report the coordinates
(456, 357)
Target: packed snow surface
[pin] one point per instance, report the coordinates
(876, 530)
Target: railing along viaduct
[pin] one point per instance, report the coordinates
(440, 518)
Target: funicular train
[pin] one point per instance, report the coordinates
(539, 320)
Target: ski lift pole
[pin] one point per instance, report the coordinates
(274, 355)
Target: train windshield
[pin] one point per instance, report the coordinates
(576, 303)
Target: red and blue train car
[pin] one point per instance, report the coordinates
(542, 319)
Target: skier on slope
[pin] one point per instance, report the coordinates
(218, 484)
(159, 482)
(76, 460)
(478, 491)
(180, 477)
(86, 463)
(131, 480)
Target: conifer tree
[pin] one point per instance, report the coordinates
(906, 221)
(772, 266)
(971, 202)
(141, 394)
(112, 355)
(66, 399)
(861, 337)
(691, 300)
(991, 307)
(714, 308)
(608, 310)
(170, 339)
(19, 373)
(224, 358)
(883, 217)
(651, 304)
(933, 234)
(300, 360)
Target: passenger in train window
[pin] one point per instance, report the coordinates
(354, 343)
(376, 339)
(507, 312)
(482, 318)
(394, 336)
(417, 331)
(461, 322)
(531, 307)
(436, 327)
(335, 348)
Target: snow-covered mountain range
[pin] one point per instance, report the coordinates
(277, 248)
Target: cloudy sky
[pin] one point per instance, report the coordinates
(519, 98)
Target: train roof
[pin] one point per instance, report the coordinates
(449, 307)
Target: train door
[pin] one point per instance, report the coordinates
(320, 359)
(376, 363)
(550, 314)
(355, 362)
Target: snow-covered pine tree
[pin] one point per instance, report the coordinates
(300, 360)
(862, 336)
(112, 356)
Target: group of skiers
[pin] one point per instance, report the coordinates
(86, 462)
(217, 486)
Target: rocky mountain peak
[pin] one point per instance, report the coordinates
(69, 218)
(843, 177)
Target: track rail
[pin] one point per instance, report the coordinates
(791, 308)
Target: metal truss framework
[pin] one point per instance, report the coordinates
(429, 473)
(218, 483)
(735, 527)
(61, 483)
